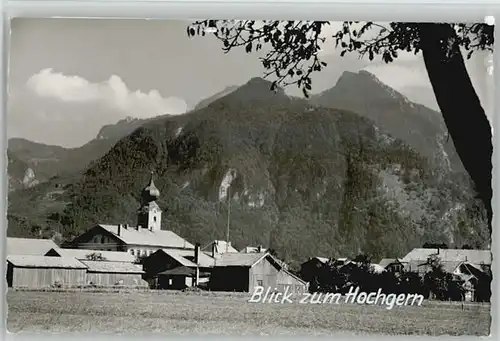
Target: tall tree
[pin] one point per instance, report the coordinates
(292, 57)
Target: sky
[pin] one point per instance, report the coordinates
(70, 77)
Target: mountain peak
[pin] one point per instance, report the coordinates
(258, 87)
(368, 84)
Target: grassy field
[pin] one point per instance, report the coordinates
(210, 313)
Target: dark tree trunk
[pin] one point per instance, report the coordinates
(463, 114)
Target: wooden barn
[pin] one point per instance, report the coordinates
(39, 272)
(245, 271)
(111, 274)
(176, 269)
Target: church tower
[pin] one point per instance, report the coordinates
(149, 214)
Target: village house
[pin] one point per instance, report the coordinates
(141, 240)
(40, 272)
(29, 246)
(478, 257)
(309, 269)
(177, 269)
(243, 272)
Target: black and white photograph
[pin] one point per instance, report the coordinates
(249, 177)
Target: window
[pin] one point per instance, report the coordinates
(154, 219)
(260, 283)
(102, 239)
(132, 252)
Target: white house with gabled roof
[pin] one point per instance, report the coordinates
(140, 240)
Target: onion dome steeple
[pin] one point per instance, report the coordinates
(150, 192)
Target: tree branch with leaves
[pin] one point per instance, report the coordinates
(293, 55)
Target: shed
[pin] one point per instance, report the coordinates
(245, 271)
(40, 272)
(29, 246)
(109, 274)
(82, 254)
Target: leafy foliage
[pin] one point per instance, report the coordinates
(294, 46)
(95, 256)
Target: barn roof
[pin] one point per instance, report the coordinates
(112, 267)
(450, 255)
(30, 261)
(134, 236)
(240, 259)
(204, 260)
(81, 254)
(29, 246)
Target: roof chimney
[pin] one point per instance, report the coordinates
(213, 248)
(259, 248)
(125, 226)
(119, 229)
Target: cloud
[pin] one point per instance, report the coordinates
(113, 94)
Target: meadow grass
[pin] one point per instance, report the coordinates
(226, 314)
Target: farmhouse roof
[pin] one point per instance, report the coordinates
(29, 246)
(112, 267)
(450, 255)
(30, 261)
(387, 261)
(140, 236)
(81, 254)
(473, 269)
(240, 259)
(204, 260)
